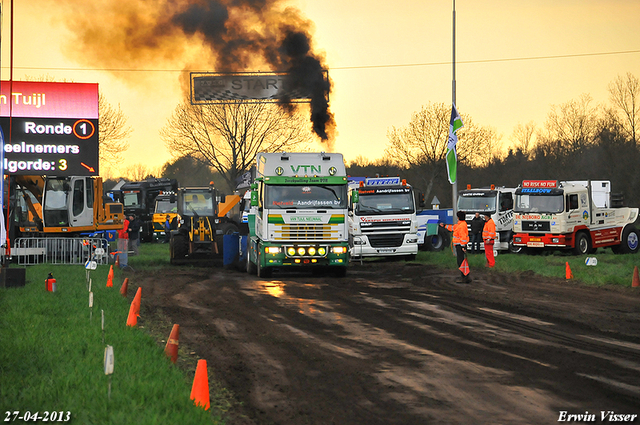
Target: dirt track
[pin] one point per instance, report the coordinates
(397, 343)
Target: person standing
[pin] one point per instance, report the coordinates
(167, 230)
(123, 244)
(489, 237)
(460, 241)
(134, 232)
(477, 223)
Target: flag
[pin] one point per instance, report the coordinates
(464, 267)
(452, 158)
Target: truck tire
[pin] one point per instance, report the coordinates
(583, 244)
(178, 247)
(437, 242)
(339, 271)
(227, 228)
(251, 267)
(263, 272)
(629, 242)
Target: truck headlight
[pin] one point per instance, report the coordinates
(291, 251)
(339, 249)
(312, 251)
(273, 250)
(412, 240)
(301, 251)
(322, 251)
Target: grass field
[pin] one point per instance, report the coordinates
(52, 353)
(611, 269)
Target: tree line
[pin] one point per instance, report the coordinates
(578, 141)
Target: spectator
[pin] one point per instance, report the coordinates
(123, 244)
(134, 233)
(167, 230)
(477, 224)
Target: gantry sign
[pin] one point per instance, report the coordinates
(53, 129)
(217, 87)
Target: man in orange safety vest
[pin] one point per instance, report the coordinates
(460, 241)
(489, 237)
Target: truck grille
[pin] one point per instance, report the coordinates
(386, 241)
(305, 232)
(535, 226)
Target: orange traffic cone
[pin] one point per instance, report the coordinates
(636, 281)
(200, 389)
(124, 287)
(110, 278)
(567, 272)
(134, 310)
(171, 349)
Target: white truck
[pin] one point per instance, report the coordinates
(497, 201)
(573, 215)
(382, 218)
(298, 215)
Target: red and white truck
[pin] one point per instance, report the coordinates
(573, 215)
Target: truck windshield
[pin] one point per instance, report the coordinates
(539, 203)
(197, 204)
(305, 196)
(132, 198)
(480, 203)
(164, 206)
(381, 203)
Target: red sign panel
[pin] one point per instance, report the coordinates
(53, 128)
(33, 99)
(540, 183)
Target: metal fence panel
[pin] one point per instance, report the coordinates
(30, 251)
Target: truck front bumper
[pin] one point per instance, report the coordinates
(305, 254)
(543, 241)
(362, 247)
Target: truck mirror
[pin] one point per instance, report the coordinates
(172, 198)
(254, 198)
(355, 197)
(223, 199)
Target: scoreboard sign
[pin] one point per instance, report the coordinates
(53, 128)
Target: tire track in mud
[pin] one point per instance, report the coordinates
(401, 345)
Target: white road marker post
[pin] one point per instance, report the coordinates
(108, 366)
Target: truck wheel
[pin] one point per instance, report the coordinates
(264, 272)
(251, 267)
(437, 242)
(228, 228)
(178, 247)
(629, 243)
(583, 244)
(339, 271)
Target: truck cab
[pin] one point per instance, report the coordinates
(382, 219)
(581, 216)
(298, 213)
(497, 201)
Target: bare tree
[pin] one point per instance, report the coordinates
(624, 94)
(423, 143)
(524, 137)
(227, 137)
(139, 172)
(112, 132)
(570, 127)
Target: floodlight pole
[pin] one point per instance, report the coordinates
(454, 185)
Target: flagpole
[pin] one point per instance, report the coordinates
(454, 185)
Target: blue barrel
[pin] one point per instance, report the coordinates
(230, 249)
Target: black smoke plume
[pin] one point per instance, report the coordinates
(203, 35)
